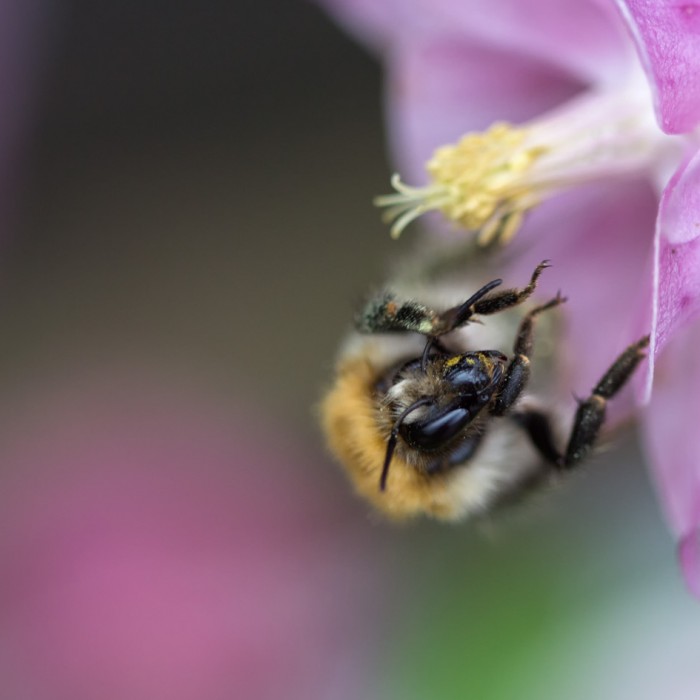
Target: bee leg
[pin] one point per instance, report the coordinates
(591, 412)
(518, 371)
(485, 304)
(507, 298)
(589, 417)
(386, 314)
(536, 424)
(459, 315)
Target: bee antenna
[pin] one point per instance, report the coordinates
(390, 447)
(426, 351)
(433, 342)
(391, 443)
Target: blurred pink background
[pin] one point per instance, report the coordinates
(159, 546)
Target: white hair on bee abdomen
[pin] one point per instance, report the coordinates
(504, 461)
(504, 465)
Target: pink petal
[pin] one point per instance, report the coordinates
(667, 34)
(599, 240)
(689, 557)
(673, 443)
(671, 430)
(439, 90)
(583, 37)
(376, 22)
(680, 206)
(676, 299)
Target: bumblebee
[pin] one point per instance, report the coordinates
(427, 423)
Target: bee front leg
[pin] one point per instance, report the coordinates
(387, 314)
(518, 371)
(507, 298)
(484, 302)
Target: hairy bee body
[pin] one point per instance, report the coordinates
(442, 410)
(357, 424)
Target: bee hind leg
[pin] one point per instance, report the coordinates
(589, 416)
(591, 412)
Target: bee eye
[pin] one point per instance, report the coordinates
(436, 428)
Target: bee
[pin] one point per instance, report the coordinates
(430, 416)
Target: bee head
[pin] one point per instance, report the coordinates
(437, 396)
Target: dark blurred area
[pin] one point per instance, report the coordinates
(198, 176)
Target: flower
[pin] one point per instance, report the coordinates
(544, 108)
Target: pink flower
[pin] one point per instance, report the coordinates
(158, 546)
(603, 176)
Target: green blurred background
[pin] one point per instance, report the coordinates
(195, 202)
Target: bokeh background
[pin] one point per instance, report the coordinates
(184, 203)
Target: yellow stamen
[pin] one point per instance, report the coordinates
(488, 181)
(479, 183)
